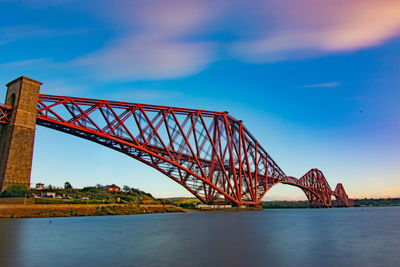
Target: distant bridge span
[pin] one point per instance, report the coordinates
(209, 153)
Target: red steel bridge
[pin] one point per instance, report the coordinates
(209, 153)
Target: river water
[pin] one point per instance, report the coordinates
(284, 237)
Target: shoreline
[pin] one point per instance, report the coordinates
(76, 210)
(72, 210)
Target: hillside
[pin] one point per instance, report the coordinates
(98, 194)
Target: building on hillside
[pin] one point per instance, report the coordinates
(113, 188)
(49, 194)
(39, 186)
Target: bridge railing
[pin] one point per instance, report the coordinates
(5, 113)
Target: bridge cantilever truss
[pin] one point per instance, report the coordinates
(210, 153)
(5, 114)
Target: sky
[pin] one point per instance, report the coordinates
(316, 82)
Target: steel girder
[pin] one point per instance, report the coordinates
(315, 187)
(342, 199)
(210, 153)
(5, 114)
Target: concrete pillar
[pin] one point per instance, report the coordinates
(17, 138)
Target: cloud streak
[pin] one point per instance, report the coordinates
(23, 63)
(171, 39)
(148, 57)
(322, 85)
(144, 95)
(26, 32)
(306, 28)
(157, 43)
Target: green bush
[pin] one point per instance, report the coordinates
(187, 205)
(91, 189)
(16, 190)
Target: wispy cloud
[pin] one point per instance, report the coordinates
(23, 63)
(322, 85)
(300, 29)
(170, 39)
(156, 44)
(143, 94)
(148, 57)
(25, 32)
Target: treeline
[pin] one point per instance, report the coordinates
(183, 202)
(375, 202)
(353, 203)
(101, 191)
(285, 204)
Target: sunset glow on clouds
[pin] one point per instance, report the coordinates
(160, 39)
(157, 41)
(148, 57)
(177, 38)
(312, 27)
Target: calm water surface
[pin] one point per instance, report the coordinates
(298, 237)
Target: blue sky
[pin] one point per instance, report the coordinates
(316, 83)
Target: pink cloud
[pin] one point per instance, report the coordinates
(299, 29)
(159, 39)
(149, 57)
(172, 18)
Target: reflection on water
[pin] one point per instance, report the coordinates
(300, 237)
(9, 236)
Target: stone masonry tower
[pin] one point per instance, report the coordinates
(17, 138)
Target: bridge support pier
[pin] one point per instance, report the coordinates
(17, 138)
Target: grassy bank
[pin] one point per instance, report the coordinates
(68, 210)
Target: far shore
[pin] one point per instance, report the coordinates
(69, 210)
(30, 210)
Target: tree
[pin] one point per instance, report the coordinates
(126, 189)
(67, 185)
(101, 187)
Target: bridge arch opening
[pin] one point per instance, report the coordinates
(281, 192)
(56, 161)
(313, 197)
